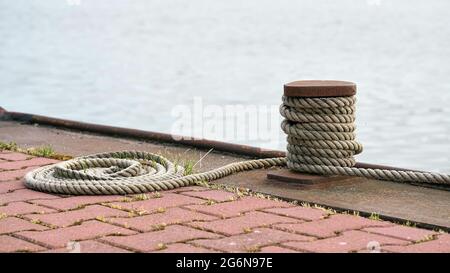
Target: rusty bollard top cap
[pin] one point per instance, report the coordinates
(315, 88)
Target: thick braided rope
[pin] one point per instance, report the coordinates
(127, 172)
(321, 140)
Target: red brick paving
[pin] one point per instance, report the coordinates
(15, 174)
(89, 246)
(236, 208)
(11, 244)
(214, 195)
(403, 232)
(67, 218)
(245, 223)
(252, 241)
(12, 224)
(277, 249)
(184, 248)
(11, 156)
(87, 230)
(20, 208)
(167, 200)
(350, 241)
(169, 217)
(9, 186)
(189, 219)
(304, 213)
(439, 245)
(331, 226)
(153, 240)
(17, 165)
(24, 195)
(190, 188)
(75, 202)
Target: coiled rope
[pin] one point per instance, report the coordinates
(127, 172)
(321, 140)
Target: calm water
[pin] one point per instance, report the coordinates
(126, 63)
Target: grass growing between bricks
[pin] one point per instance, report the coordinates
(375, 216)
(46, 151)
(189, 167)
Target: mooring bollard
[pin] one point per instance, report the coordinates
(319, 121)
(319, 131)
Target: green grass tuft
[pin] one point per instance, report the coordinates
(374, 216)
(11, 146)
(188, 167)
(42, 151)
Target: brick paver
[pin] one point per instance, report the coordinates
(75, 202)
(20, 208)
(89, 246)
(439, 245)
(403, 232)
(63, 219)
(188, 219)
(167, 200)
(184, 248)
(157, 220)
(308, 214)
(245, 223)
(16, 165)
(251, 242)
(24, 195)
(188, 188)
(12, 224)
(236, 208)
(214, 195)
(9, 186)
(11, 156)
(11, 244)
(332, 226)
(350, 241)
(277, 249)
(15, 174)
(87, 230)
(158, 239)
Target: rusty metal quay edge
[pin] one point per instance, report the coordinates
(141, 134)
(239, 149)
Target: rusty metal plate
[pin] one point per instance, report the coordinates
(314, 88)
(308, 180)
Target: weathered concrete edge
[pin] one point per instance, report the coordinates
(141, 134)
(107, 130)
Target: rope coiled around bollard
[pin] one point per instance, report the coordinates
(321, 140)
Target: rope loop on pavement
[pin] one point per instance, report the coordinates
(127, 172)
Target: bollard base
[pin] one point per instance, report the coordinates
(286, 175)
